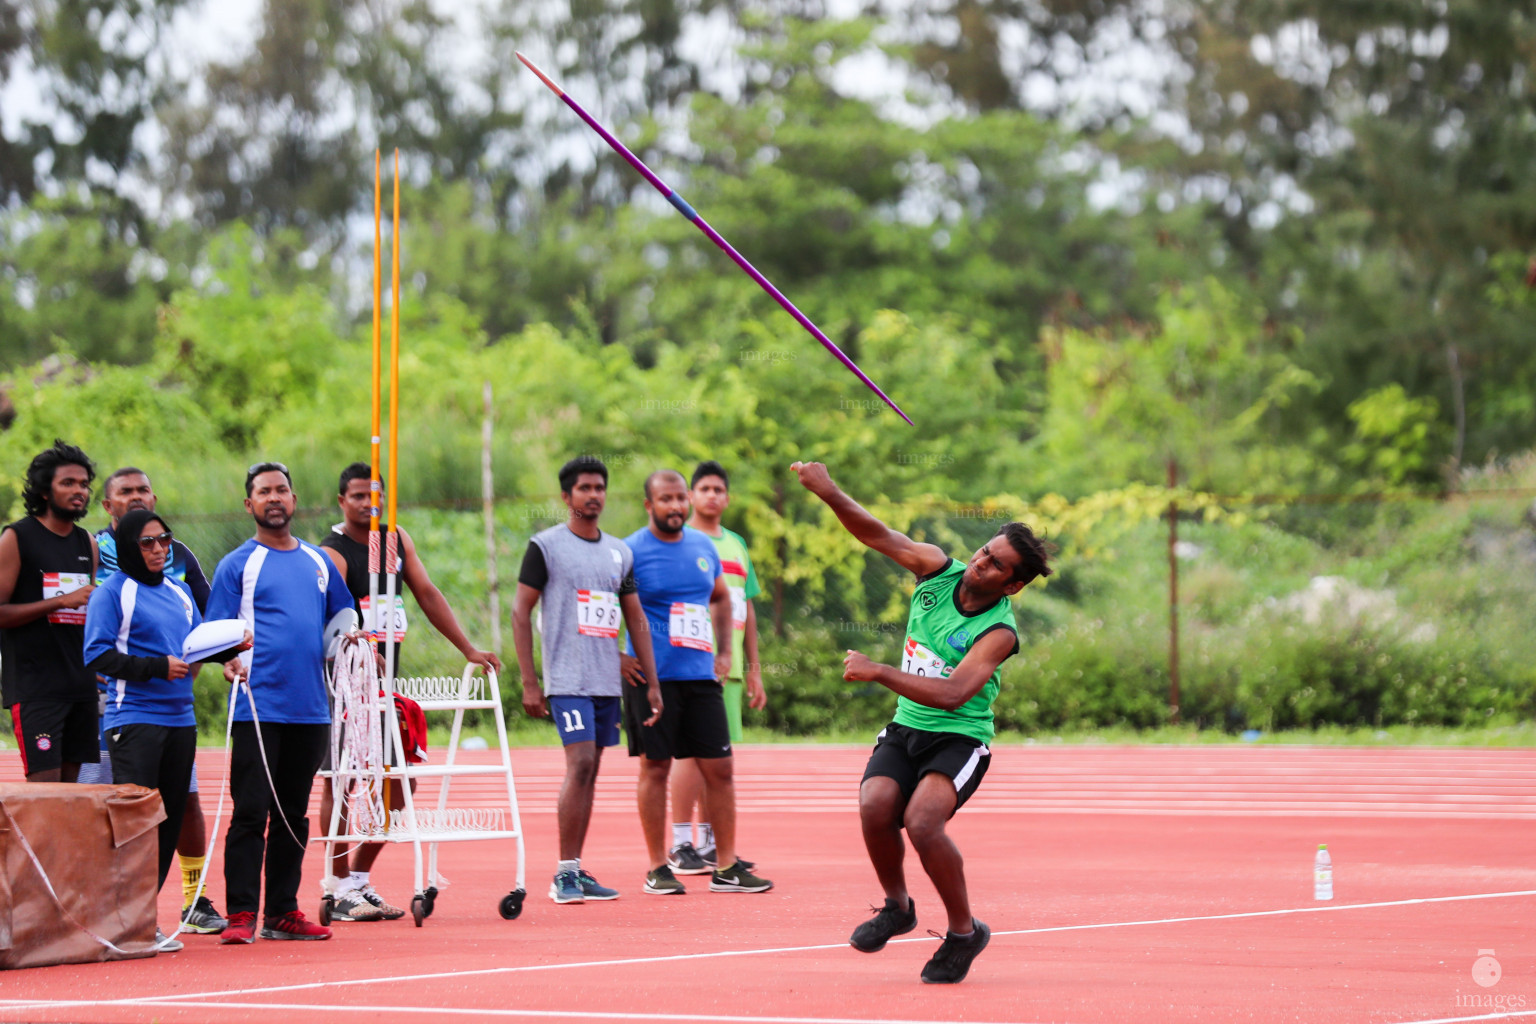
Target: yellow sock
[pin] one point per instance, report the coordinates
(191, 871)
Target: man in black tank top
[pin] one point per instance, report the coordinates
(347, 547)
(47, 569)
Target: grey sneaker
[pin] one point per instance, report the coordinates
(661, 882)
(953, 960)
(566, 888)
(201, 918)
(888, 922)
(166, 945)
(351, 906)
(737, 878)
(685, 860)
(592, 889)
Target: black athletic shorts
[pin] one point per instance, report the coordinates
(693, 722)
(906, 755)
(50, 732)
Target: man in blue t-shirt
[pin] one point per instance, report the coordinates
(286, 591)
(687, 604)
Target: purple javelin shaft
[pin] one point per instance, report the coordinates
(714, 236)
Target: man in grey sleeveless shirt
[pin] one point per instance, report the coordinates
(585, 578)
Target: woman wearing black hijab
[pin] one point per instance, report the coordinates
(134, 627)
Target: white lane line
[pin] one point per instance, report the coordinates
(631, 961)
(1507, 1015)
(392, 1009)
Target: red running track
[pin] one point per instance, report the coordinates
(1121, 884)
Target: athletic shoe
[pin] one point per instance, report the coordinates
(737, 878)
(201, 918)
(592, 889)
(661, 882)
(387, 911)
(888, 922)
(566, 888)
(293, 925)
(166, 945)
(351, 906)
(685, 860)
(241, 928)
(711, 862)
(953, 960)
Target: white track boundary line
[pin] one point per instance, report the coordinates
(1507, 1015)
(170, 1000)
(536, 1014)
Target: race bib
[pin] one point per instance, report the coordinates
(57, 584)
(597, 613)
(690, 627)
(917, 660)
(397, 623)
(738, 608)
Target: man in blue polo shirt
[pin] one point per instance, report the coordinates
(687, 604)
(286, 591)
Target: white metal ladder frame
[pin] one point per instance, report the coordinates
(433, 694)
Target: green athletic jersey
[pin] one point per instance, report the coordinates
(938, 636)
(741, 580)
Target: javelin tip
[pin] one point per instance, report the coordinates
(542, 76)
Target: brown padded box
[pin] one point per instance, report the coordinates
(99, 846)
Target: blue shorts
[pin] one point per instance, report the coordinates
(586, 719)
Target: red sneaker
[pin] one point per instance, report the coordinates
(241, 928)
(292, 925)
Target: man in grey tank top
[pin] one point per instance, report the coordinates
(585, 578)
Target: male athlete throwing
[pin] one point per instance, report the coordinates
(932, 757)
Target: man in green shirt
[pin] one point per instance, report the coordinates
(709, 492)
(932, 757)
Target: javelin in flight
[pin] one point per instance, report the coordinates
(710, 233)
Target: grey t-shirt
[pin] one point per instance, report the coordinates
(580, 582)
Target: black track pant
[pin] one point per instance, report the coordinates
(159, 757)
(256, 828)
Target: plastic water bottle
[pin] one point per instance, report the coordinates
(1322, 874)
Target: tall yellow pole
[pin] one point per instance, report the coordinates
(392, 485)
(394, 372)
(378, 306)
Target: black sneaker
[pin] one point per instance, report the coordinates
(889, 921)
(685, 860)
(737, 878)
(953, 960)
(711, 861)
(661, 882)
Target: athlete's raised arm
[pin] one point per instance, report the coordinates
(917, 558)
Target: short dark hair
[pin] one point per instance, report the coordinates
(259, 468)
(571, 471)
(709, 467)
(356, 471)
(39, 486)
(1033, 554)
(655, 475)
(117, 474)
